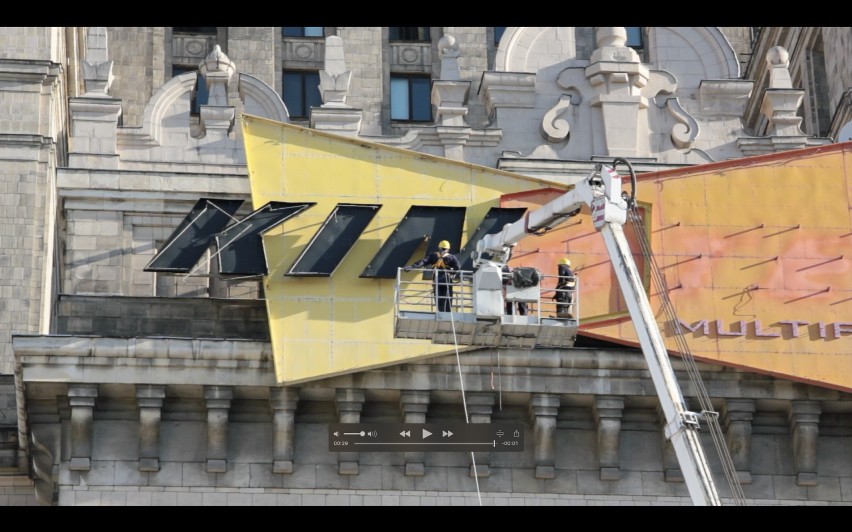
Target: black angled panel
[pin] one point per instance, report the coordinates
(241, 246)
(421, 222)
(333, 241)
(493, 222)
(193, 236)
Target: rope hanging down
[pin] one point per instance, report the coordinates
(464, 400)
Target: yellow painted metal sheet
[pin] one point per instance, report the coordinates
(324, 326)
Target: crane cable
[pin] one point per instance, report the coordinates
(708, 414)
(461, 386)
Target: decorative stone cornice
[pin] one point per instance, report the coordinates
(726, 97)
(507, 89)
(450, 99)
(340, 120)
(144, 360)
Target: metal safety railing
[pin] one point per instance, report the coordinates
(422, 293)
(551, 306)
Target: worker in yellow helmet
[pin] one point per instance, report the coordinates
(565, 288)
(445, 263)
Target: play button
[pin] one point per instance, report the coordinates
(426, 434)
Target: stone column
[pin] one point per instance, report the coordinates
(480, 406)
(608, 412)
(350, 402)
(543, 410)
(803, 417)
(737, 416)
(414, 404)
(218, 404)
(284, 402)
(81, 398)
(150, 400)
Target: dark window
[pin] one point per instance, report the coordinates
(302, 31)
(755, 34)
(411, 98)
(190, 240)
(817, 107)
(498, 34)
(301, 92)
(201, 92)
(397, 33)
(241, 245)
(420, 223)
(634, 38)
(334, 239)
(207, 30)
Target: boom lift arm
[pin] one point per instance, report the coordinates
(602, 192)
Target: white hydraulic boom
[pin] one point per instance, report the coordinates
(602, 192)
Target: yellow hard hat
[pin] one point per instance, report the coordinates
(443, 244)
(565, 261)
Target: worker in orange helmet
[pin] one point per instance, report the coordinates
(445, 264)
(565, 288)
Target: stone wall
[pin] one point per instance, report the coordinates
(146, 316)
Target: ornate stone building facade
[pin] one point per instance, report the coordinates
(120, 386)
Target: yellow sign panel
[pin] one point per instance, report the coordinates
(755, 253)
(331, 325)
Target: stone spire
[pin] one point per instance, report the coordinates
(449, 96)
(97, 68)
(780, 106)
(448, 52)
(95, 114)
(217, 117)
(781, 101)
(217, 70)
(334, 115)
(618, 76)
(334, 79)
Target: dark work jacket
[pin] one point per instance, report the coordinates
(566, 277)
(445, 264)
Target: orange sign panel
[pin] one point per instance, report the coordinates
(756, 255)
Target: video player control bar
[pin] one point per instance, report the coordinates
(426, 437)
